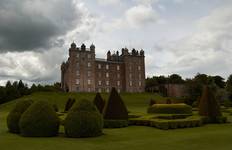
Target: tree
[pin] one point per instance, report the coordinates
(175, 79)
(229, 86)
(219, 81)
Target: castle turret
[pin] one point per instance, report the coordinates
(141, 52)
(92, 48)
(108, 55)
(83, 47)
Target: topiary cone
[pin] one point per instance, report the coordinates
(208, 105)
(99, 102)
(39, 120)
(115, 109)
(15, 115)
(83, 120)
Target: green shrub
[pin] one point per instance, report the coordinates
(115, 109)
(99, 102)
(209, 106)
(15, 115)
(83, 120)
(152, 102)
(170, 109)
(227, 103)
(168, 101)
(115, 123)
(115, 112)
(69, 104)
(174, 124)
(39, 120)
(55, 107)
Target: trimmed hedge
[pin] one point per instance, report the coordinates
(15, 115)
(83, 120)
(115, 109)
(170, 109)
(209, 106)
(69, 104)
(115, 112)
(178, 123)
(115, 123)
(39, 120)
(55, 107)
(99, 102)
(152, 102)
(166, 124)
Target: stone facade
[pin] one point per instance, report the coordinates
(82, 72)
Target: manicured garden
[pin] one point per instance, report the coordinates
(142, 132)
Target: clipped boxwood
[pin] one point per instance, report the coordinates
(69, 104)
(83, 120)
(115, 110)
(115, 123)
(209, 107)
(99, 102)
(15, 115)
(39, 120)
(170, 109)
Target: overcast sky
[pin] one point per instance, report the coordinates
(178, 36)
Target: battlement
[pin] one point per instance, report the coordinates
(82, 47)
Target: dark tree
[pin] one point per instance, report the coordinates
(99, 102)
(115, 109)
(208, 105)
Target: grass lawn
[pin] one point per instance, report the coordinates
(208, 137)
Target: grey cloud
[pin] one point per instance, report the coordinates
(33, 24)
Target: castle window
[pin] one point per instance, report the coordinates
(140, 76)
(107, 82)
(89, 64)
(99, 82)
(89, 56)
(99, 66)
(89, 73)
(130, 68)
(78, 72)
(99, 90)
(107, 90)
(107, 67)
(118, 83)
(140, 83)
(118, 75)
(130, 83)
(77, 81)
(78, 55)
(139, 67)
(119, 90)
(118, 67)
(107, 75)
(89, 89)
(89, 82)
(130, 75)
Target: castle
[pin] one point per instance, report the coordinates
(83, 72)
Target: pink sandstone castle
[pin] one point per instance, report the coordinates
(82, 72)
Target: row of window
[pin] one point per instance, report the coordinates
(107, 82)
(107, 74)
(89, 55)
(106, 90)
(99, 66)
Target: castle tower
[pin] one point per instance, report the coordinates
(134, 71)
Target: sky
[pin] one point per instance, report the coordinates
(185, 37)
